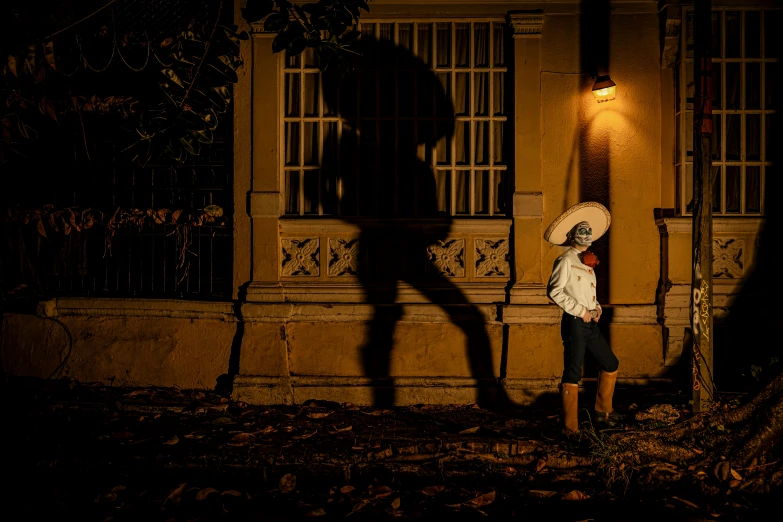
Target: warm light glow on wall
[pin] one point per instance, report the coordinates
(604, 89)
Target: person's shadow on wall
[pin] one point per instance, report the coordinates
(392, 196)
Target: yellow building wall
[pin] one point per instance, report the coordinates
(626, 131)
(286, 354)
(119, 351)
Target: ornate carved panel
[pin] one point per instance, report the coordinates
(492, 258)
(728, 258)
(526, 24)
(671, 46)
(343, 256)
(301, 257)
(448, 257)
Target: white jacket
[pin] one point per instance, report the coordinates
(572, 285)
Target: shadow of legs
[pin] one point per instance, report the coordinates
(470, 320)
(376, 353)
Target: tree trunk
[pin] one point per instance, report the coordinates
(701, 292)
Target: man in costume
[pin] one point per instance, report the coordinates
(572, 287)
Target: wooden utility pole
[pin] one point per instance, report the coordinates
(701, 291)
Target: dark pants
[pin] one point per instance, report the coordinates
(577, 336)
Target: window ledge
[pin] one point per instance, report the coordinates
(722, 224)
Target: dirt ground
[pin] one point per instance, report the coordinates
(94, 452)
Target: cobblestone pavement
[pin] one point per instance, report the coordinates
(110, 453)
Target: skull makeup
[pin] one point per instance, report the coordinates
(582, 234)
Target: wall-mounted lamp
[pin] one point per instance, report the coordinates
(604, 89)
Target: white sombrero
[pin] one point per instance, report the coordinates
(594, 213)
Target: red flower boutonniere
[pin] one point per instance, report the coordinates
(590, 259)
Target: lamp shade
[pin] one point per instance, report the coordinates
(604, 89)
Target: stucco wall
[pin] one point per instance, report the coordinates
(626, 131)
(610, 149)
(119, 350)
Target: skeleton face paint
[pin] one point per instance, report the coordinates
(582, 234)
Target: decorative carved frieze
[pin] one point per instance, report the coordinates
(448, 257)
(526, 24)
(728, 258)
(343, 256)
(671, 44)
(301, 257)
(492, 258)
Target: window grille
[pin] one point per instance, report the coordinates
(469, 166)
(159, 259)
(744, 67)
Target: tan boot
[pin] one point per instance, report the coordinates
(604, 412)
(569, 393)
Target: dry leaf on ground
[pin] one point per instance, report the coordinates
(104, 499)
(575, 495)
(542, 493)
(360, 505)
(288, 483)
(232, 492)
(686, 502)
(481, 500)
(316, 513)
(378, 412)
(396, 503)
(173, 440)
(222, 420)
(468, 431)
(304, 435)
(319, 415)
(176, 493)
(381, 491)
(541, 464)
(432, 490)
(265, 431)
(243, 437)
(346, 489)
(204, 493)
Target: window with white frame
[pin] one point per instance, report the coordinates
(468, 167)
(744, 65)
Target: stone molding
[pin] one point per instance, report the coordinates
(293, 226)
(551, 314)
(526, 24)
(720, 225)
(531, 314)
(677, 313)
(424, 312)
(527, 294)
(101, 306)
(349, 290)
(347, 312)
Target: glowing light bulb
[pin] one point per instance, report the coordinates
(604, 89)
